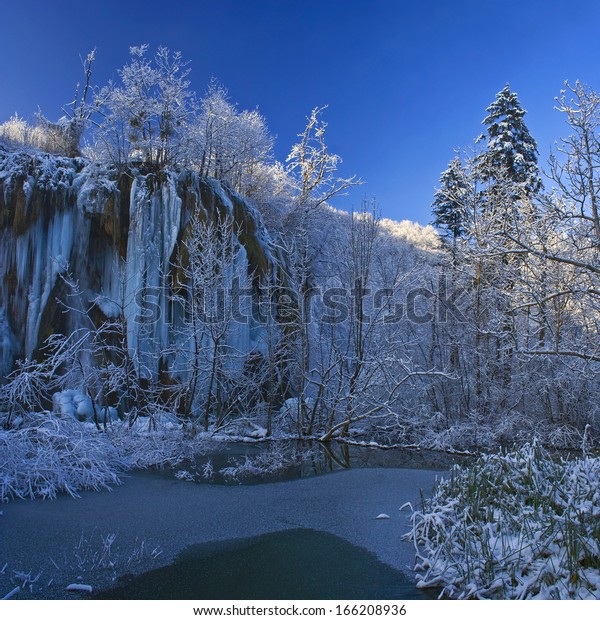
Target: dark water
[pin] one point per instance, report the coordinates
(294, 564)
(290, 460)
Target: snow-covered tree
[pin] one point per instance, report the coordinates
(213, 135)
(81, 110)
(511, 150)
(146, 115)
(313, 167)
(576, 167)
(212, 263)
(563, 235)
(228, 145)
(449, 201)
(270, 188)
(528, 350)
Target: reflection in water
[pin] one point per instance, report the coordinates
(253, 463)
(294, 564)
(342, 459)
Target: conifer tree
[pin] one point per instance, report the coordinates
(508, 168)
(449, 201)
(511, 153)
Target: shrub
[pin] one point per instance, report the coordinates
(50, 455)
(514, 526)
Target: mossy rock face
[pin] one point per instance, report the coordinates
(208, 200)
(248, 235)
(115, 214)
(54, 318)
(8, 297)
(4, 212)
(246, 226)
(122, 213)
(22, 210)
(110, 217)
(18, 208)
(34, 188)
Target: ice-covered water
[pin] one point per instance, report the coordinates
(42, 537)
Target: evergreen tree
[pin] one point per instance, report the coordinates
(511, 153)
(449, 201)
(508, 168)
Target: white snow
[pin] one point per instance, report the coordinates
(77, 405)
(110, 308)
(79, 587)
(521, 525)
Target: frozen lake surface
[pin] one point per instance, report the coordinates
(61, 539)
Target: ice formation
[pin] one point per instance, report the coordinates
(73, 233)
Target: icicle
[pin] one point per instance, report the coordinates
(137, 286)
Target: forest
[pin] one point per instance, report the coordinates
(166, 282)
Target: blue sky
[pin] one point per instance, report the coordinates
(406, 82)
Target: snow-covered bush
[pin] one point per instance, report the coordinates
(479, 435)
(15, 131)
(277, 459)
(154, 443)
(50, 455)
(58, 138)
(53, 453)
(514, 526)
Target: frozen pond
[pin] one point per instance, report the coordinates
(62, 540)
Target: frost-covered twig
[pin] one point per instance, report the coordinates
(12, 594)
(52, 455)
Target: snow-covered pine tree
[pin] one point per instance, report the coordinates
(511, 152)
(448, 205)
(510, 178)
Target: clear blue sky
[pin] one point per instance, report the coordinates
(406, 82)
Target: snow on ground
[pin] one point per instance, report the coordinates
(75, 404)
(160, 511)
